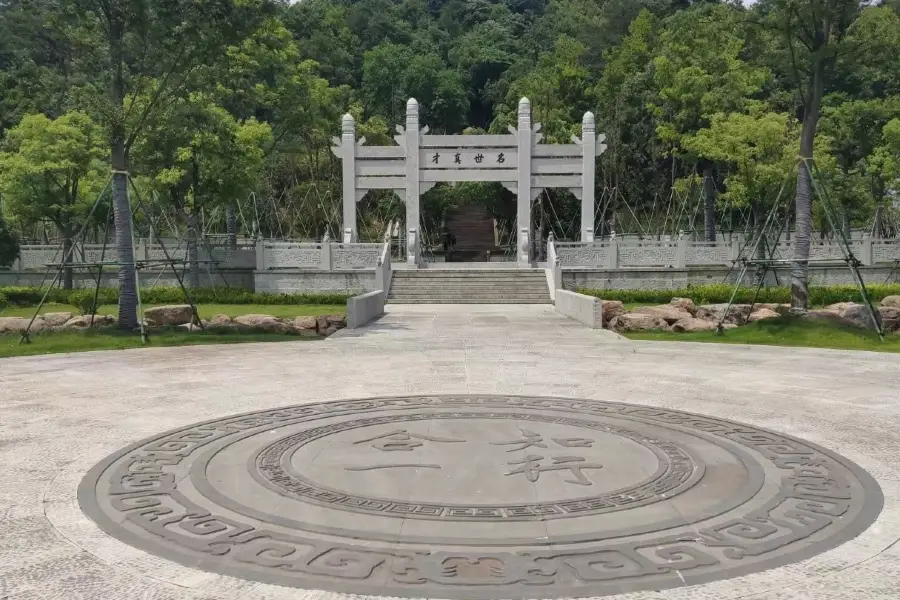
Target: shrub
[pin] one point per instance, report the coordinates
(4, 301)
(83, 299)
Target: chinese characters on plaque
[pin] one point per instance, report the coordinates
(528, 465)
(472, 159)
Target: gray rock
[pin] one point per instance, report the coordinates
(221, 320)
(262, 322)
(684, 304)
(670, 314)
(165, 316)
(612, 309)
(763, 313)
(691, 324)
(892, 301)
(84, 321)
(305, 324)
(56, 319)
(713, 312)
(890, 317)
(637, 322)
(19, 324)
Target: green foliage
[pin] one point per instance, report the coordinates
(9, 245)
(83, 298)
(720, 293)
(4, 301)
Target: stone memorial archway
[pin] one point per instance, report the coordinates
(517, 160)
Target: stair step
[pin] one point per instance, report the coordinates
(467, 301)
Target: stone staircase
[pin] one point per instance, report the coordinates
(469, 286)
(473, 227)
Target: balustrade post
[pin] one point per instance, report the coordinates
(681, 253)
(612, 256)
(865, 250)
(260, 255)
(325, 257)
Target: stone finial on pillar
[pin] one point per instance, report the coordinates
(411, 148)
(348, 175)
(524, 137)
(588, 156)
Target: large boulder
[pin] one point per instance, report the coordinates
(684, 304)
(338, 321)
(893, 301)
(56, 319)
(737, 314)
(84, 321)
(169, 316)
(262, 322)
(20, 324)
(637, 322)
(763, 313)
(670, 314)
(853, 313)
(890, 317)
(691, 324)
(825, 315)
(221, 320)
(612, 309)
(305, 324)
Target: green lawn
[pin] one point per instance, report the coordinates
(207, 311)
(785, 331)
(54, 342)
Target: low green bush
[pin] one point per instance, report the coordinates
(4, 301)
(82, 298)
(717, 293)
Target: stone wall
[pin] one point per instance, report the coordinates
(670, 279)
(295, 281)
(587, 310)
(239, 278)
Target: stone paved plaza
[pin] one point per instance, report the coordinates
(479, 452)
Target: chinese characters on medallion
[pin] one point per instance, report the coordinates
(531, 465)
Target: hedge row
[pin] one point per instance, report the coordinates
(31, 296)
(716, 293)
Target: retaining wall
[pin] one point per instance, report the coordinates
(587, 310)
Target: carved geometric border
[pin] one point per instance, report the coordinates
(823, 500)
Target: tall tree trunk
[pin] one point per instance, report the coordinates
(193, 252)
(804, 195)
(709, 196)
(128, 317)
(66, 257)
(231, 225)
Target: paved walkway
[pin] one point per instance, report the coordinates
(60, 415)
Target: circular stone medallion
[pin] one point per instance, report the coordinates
(480, 497)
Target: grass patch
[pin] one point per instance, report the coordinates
(54, 342)
(207, 311)
(785, 331)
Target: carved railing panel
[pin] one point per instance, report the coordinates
(707, 253)
(292, 256)
(347, 257)
(651, 254)
(578, 254)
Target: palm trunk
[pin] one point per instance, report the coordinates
(709, 194)
(128, 318)
(193, 252)
(231, 225)
(803, 197)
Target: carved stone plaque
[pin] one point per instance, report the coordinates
(480, 497)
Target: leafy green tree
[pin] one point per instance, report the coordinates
(9, 245)
(699, 71)
(199, 156)
(53, 170)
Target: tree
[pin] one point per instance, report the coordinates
(9, 245)
(699, 72)
(152, 45)
(200, 157)
(812, 35)
(53, 170)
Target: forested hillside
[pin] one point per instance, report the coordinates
(223, 111)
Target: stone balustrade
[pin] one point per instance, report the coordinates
(683, 253)
(325, 256)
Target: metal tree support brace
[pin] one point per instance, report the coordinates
(517, 160)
